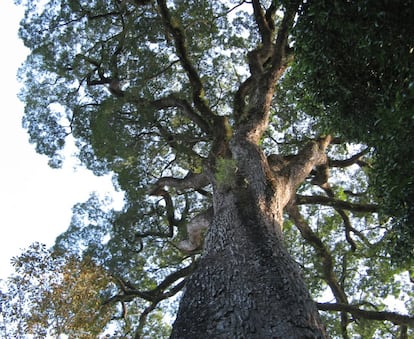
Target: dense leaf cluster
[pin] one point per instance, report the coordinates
(356, 72)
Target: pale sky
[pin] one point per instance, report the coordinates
(35, 200)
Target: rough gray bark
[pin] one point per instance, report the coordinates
(246, 284)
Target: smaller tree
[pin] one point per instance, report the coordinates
(52, 294)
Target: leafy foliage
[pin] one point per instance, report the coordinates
(53, 294)
(355, 66)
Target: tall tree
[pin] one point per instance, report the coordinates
(185, 102)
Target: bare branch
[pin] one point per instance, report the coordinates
(129, 292)
(158, 73)
(129, 295)
(336, 203)
(169, 280)
(393, 317)
(327, 260)
(347, 222)
(321, 250)
(174, 277)
(169, 206)
(403, 332)
(143, 319)
(178, 34)
(174, 101)
(282, 38)
(355, 159)
(348, 229)
(191, 180)
(310, 156)
(266, 25)
(265, 21)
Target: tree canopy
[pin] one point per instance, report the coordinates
(168, 96)
(358, 75)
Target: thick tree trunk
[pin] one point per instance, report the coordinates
(246, 284)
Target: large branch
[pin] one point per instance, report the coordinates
(371, 315)
(320, 249)
(326, 257)
(267, 64)
(311, 156)
(270, 49)
(172, 278)
(355, 159)
(293, 170)
(167, 288)
(281, 44)
(191, 180)
(265, 21)
(336, 203)
(178, 34)
(185, 107)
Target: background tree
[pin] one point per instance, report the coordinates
(55, 294)
(363, 88)
(192, 106)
